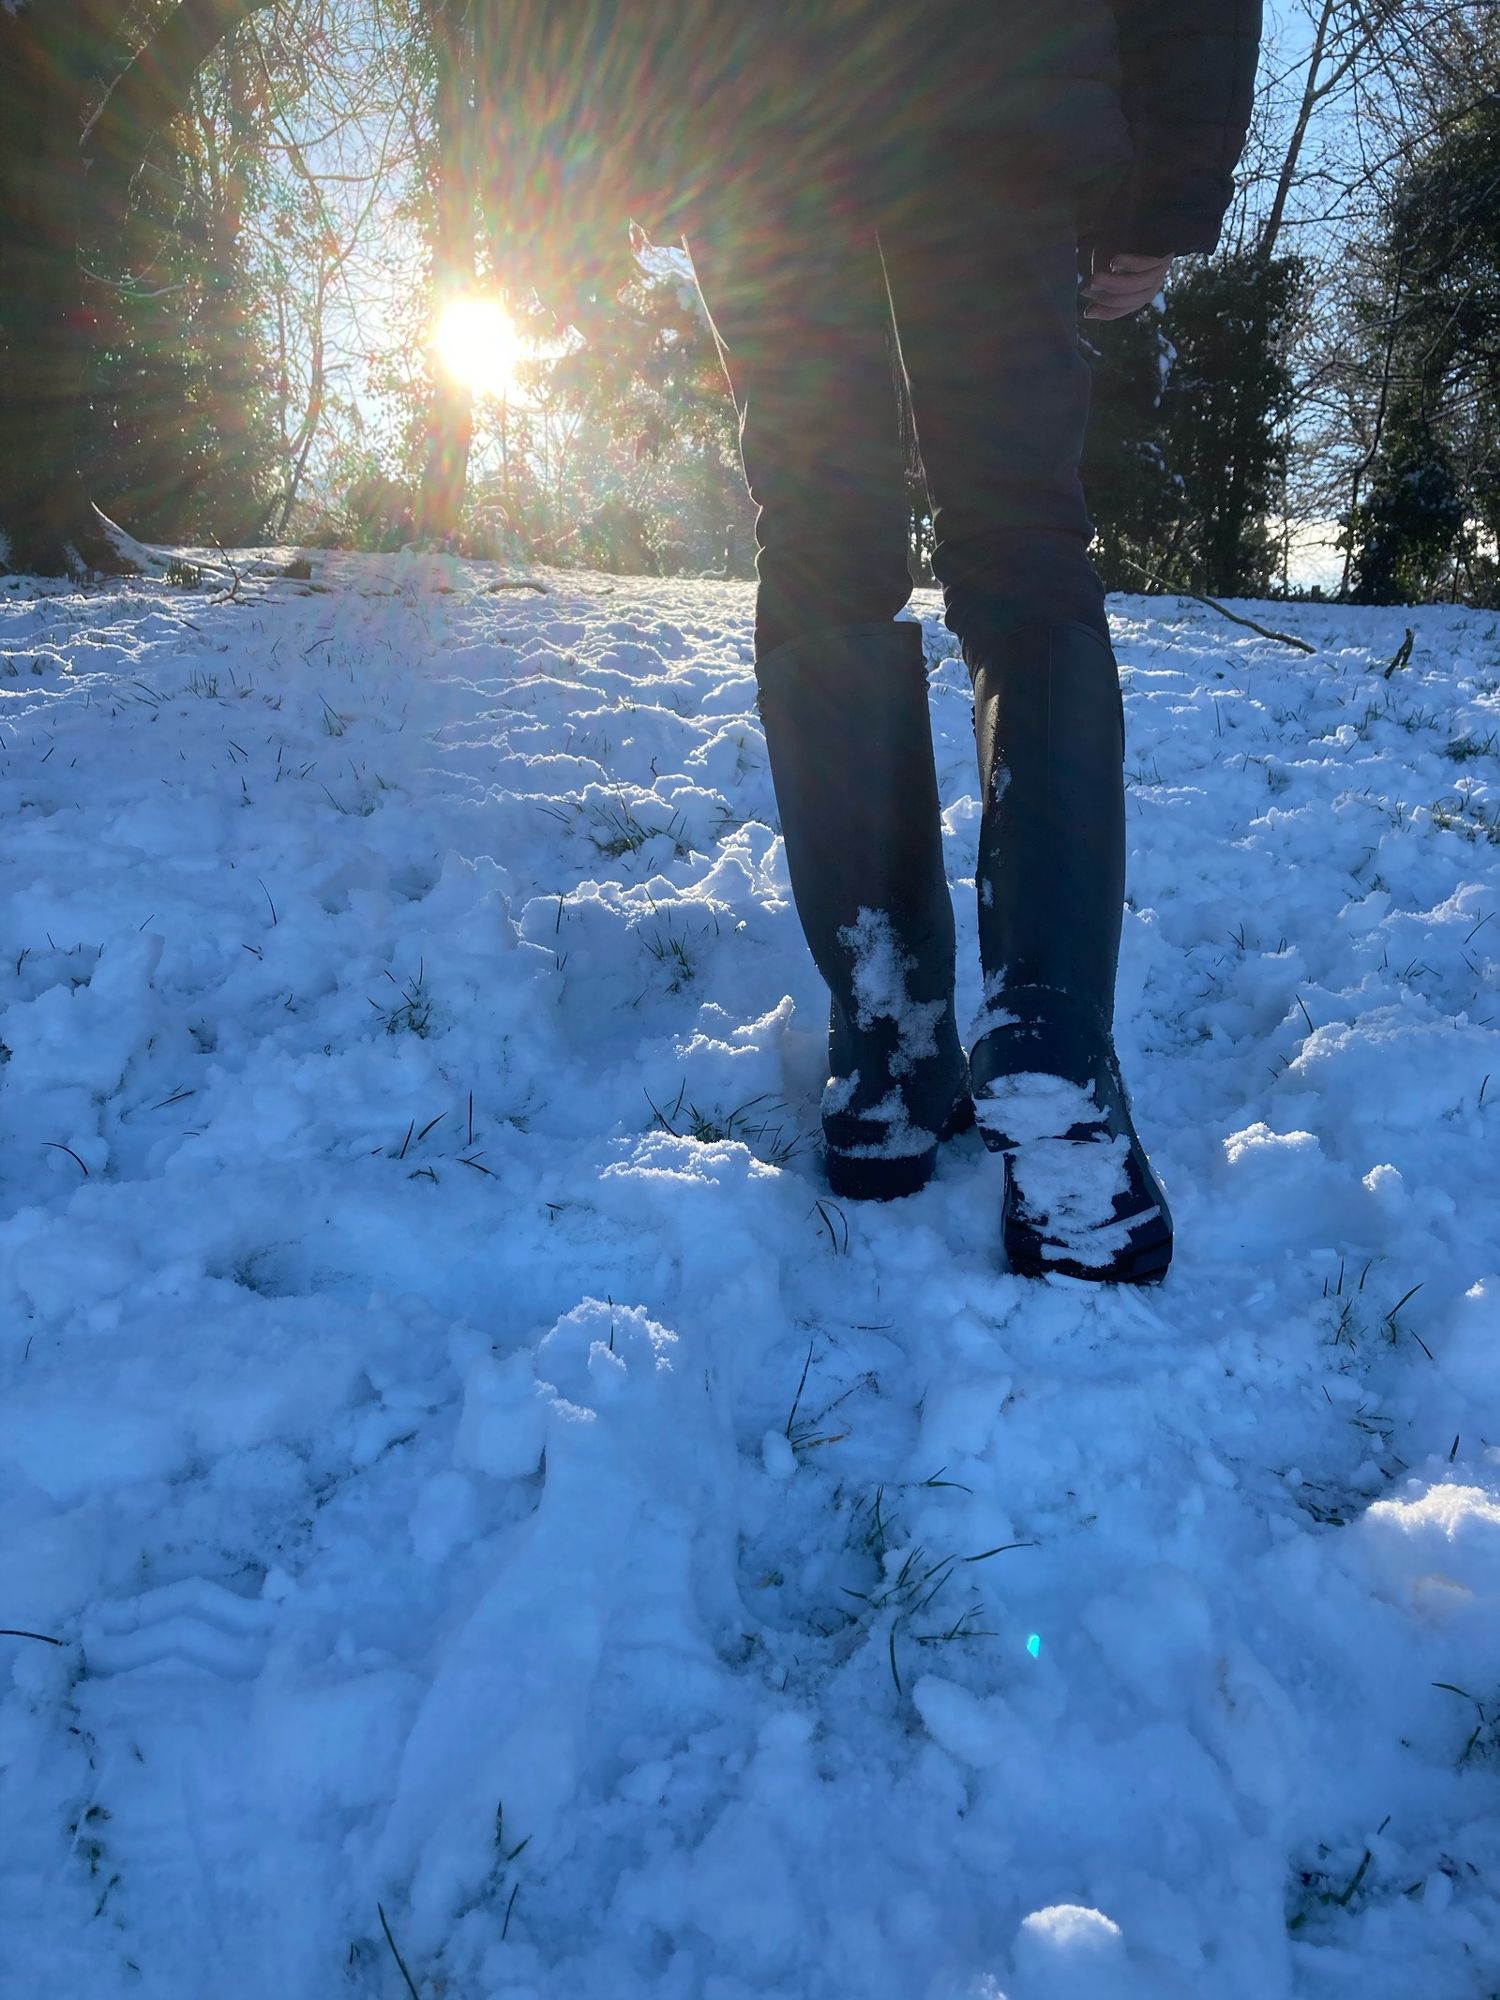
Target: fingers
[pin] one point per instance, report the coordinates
(1129, 283)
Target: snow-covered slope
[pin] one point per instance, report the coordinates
(475, 1474)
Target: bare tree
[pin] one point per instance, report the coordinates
(1348, 90)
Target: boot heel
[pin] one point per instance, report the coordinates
(960, 1119)
(872, 1177)
(852, 1177)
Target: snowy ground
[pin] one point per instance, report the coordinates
(472, 1469)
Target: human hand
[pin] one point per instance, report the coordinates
(1128, 284)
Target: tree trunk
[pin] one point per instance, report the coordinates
(60, 152)
(228, 334)
(44, 513)
(450, 423)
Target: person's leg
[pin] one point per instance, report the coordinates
(804, 327)
(987, 318)
(986, 309)
(804, 331)
(988, 331)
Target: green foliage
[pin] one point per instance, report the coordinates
(1186, 438)
(1429, 523)
(1406, 534)
(644, 386)
(180, 442)
(1227, 398)
(1132, 495)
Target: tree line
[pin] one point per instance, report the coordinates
(226, 228)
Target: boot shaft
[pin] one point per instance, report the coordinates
(1049, 729)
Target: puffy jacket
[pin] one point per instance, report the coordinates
(1187, 84)
(1137, 109)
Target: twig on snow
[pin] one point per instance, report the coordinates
(232, 594)
(1265, 631)
(1402, 655)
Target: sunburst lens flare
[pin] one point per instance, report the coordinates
(477, 344)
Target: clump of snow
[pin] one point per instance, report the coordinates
(899, 1137)
(503, 1424)
(471, 1469)
(881, 992)
(1068, 1952)
(1068, 1170)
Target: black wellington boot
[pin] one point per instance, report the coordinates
(1080, 1196)
(850, 743)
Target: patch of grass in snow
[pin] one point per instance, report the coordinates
(1341, 1879)
(1464, 749)
(726, 822)
(809, 1434)
(1334, 1504)
(881, 1593)
(1330, 1883)
(616, 830)
(1465, 813)
(1482, 1745)
(1417, 719)
(502, 1884)
(1358, 1327)
(908, 1584)
(670, 950)
(90, 1844)
(1354, 1321)
(247, 1274)
(412, 1014)
(750, 1123)
(669, 947)
(1330, 1506)
(832, 1218)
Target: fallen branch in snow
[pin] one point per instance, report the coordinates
(46, 1638)
(176, 565)
(1265, 631)
(520, 583)
(135, 557)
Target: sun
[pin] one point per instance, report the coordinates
(478, 345)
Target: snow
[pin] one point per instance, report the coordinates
(482, 1485)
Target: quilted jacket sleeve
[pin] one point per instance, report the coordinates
(1188, 83)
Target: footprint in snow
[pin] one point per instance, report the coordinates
(166, 1702)
(605, 1570)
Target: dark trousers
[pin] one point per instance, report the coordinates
(945, 324)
